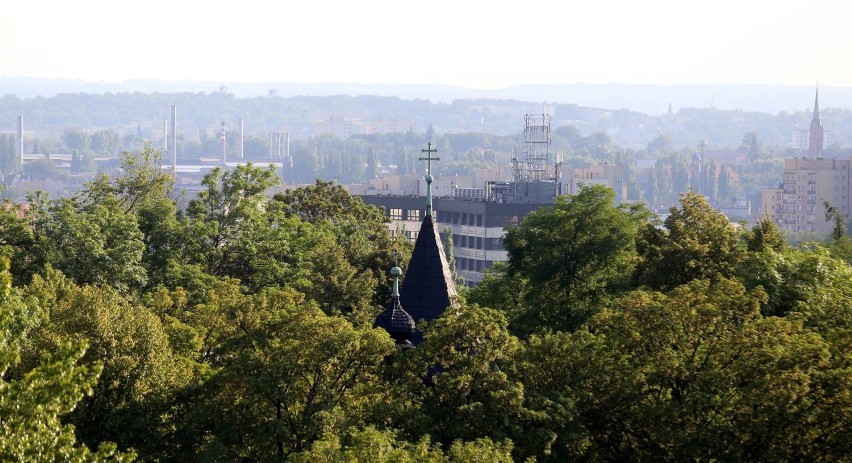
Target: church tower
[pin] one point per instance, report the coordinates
(816, 134)
(428, 288)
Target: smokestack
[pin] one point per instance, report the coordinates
(20, 157)
(242, 133)
(224, 144)
(174, 139)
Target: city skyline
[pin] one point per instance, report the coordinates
(473, 44)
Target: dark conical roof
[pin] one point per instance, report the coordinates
(428, 286)
(396, 321)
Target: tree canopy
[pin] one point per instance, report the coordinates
(240, 328)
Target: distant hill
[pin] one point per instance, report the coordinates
(138, 109)
(649, 99)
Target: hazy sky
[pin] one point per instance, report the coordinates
(478, 44)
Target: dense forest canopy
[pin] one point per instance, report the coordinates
(240, 328)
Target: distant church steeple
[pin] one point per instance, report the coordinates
(816, 135)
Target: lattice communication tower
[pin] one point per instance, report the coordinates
(535, 166)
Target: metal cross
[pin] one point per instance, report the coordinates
(429, 157)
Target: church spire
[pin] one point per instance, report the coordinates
(816, 104)
(816, 134)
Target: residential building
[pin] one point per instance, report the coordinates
(797, 204)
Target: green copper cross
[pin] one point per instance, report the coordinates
(429, 157)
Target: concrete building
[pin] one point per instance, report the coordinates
(607, 175)
(382, 125)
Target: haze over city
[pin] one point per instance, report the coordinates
(476, 44)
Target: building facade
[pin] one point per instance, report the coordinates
(797, 204)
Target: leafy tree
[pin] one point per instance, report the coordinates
(458, 376)
(8, 160)
(660, 145)
(725, 188)
(792, 278)
(18, 242)
(696, 374)
(283, 377)
(698, 243)
(765, 235)
(451, 256)
(663, 171)
(832, 214)
(751, 145)
(372, 164)
(95, 244)
(500, 291)
(653, 190)
(31, 405)
(130, 348)
(360, 230)
(573, 255)
(377, 446)
(105, 142)
(76, 140)
(231, 202)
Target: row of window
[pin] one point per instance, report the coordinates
(477, 242)
(473, 265)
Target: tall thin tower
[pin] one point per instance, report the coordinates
(20, 144)
(816, 134)
(242, 139)
(224, 138)
(174, 139)
(535, 167)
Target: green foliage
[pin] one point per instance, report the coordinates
(832, 214)
(130, 347)
(793, 277)
(765, 235)
(94, 244)
(43, 169)
(32, 403)
(240, 328)
(362, 237)
(696, 374)
(463, 361)
(698, 242)
(573, 256)
(377, 446)
(283, 377)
